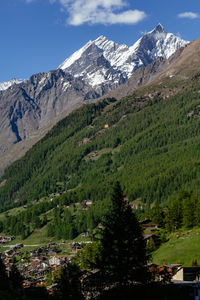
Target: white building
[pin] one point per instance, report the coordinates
(55, 261)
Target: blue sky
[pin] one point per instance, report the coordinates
(38, 35)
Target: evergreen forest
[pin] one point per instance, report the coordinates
(149, 144)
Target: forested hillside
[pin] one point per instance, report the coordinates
(151, 146)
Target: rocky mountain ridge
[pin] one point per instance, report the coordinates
(105, 64)
(28, 109)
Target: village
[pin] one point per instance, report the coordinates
(35, 264)
(38, 264)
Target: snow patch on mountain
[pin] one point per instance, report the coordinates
(6, 84)
(74, 57)
(166, 46)
(66, 85)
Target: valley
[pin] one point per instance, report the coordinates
(113, 132)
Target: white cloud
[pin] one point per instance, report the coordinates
(100, 12)
(188, 15)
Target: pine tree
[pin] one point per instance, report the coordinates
(197, 212)
(15, 277)
(189, 211)
(4, 283)
(157, 215)
(123, 247)
(88, 258)
(68, 283)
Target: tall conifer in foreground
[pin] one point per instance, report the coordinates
(4, 283)
(15, 278)
(124, 255)
(68, 283)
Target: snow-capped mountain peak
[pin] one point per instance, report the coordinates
(158, 28)
(104, 62)
(161, 43)
(6, 84)
(74, 57)
(103, 43)
(100, 39)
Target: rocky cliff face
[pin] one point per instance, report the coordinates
(139, 78)
(29, 107)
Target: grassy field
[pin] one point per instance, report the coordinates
(183, 247)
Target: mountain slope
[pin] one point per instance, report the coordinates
(34, 106)
(151, 145)
(141, 77)
(144, 149)
(105, 64)
(165, 76)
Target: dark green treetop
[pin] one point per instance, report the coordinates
(123, 257)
